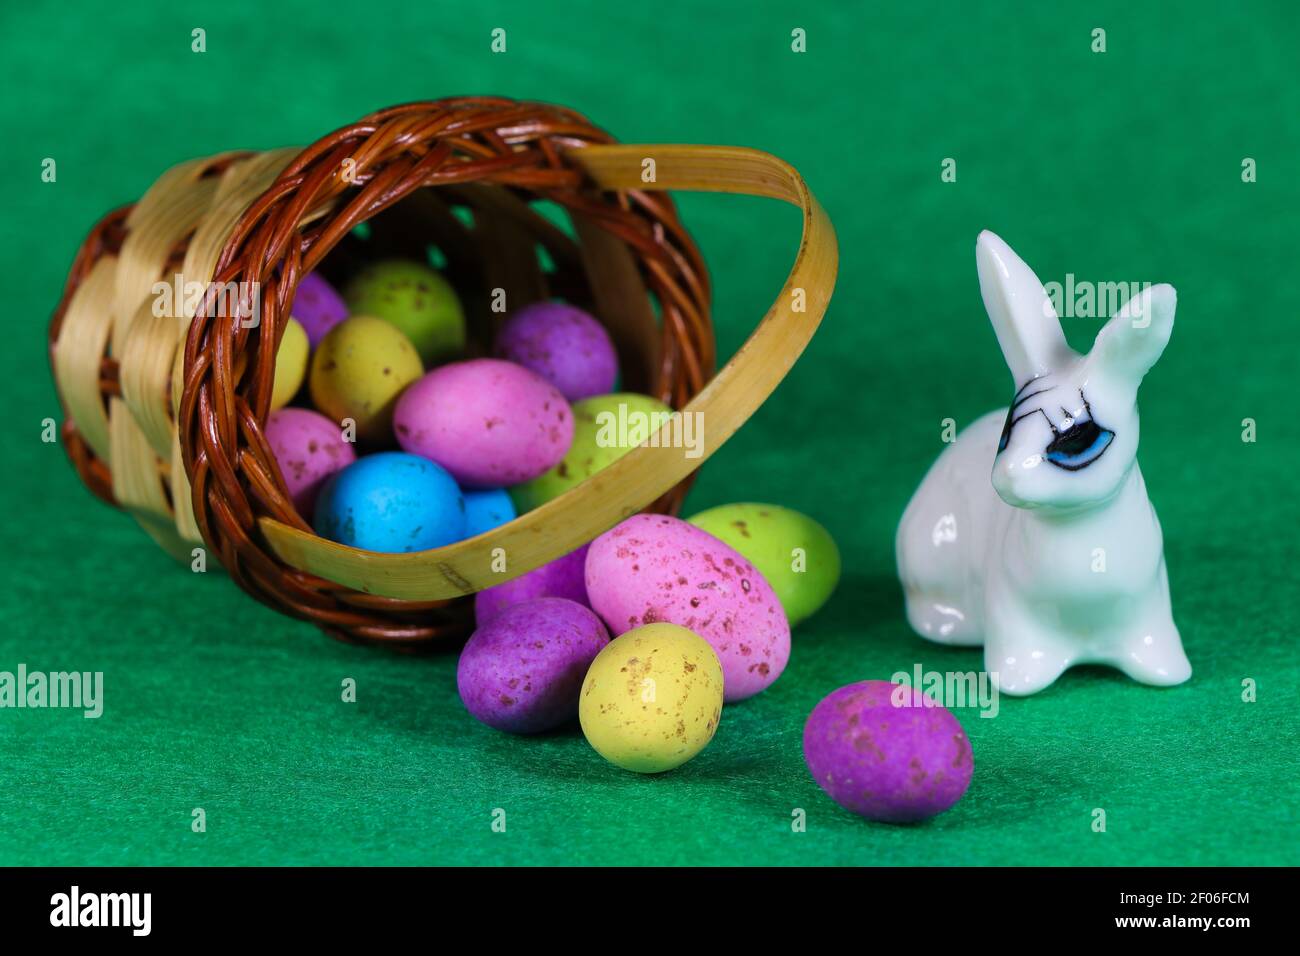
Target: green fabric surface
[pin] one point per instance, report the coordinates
(1117, 166)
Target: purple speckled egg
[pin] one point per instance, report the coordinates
(490, 423)
(317, 307)
(522, 671)
(655, 568)
(561, 578)
(887, 752)
(309, 448)
(562, 344)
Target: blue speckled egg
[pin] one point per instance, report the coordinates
(487, 509)
(391, 502)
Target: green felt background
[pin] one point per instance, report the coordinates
(1119, 166)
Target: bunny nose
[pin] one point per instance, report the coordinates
(1010, 475)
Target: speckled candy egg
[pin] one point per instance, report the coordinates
(317, 306)
(391, 502)
(521, 672)
(598, 441)
(416, 299)
(652, 698)
(562, 344)
(795, 554)
(487, 509)
(308, 448)
(655, 568)
(358, 371)
(290, 364)
(563, 578)
(887, 752)
(488, 422)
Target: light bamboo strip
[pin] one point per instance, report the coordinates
(241, 184)
(83, 339)
(140, 432)
(137, 481)
(145, 370)
(163, 216)
(186, 526)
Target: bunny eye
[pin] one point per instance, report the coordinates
(1079, 446)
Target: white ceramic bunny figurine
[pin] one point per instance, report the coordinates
(1064, 564)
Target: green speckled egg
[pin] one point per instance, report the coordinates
(598, 441)
(793, 552)
(416, 299)
(359, 370)
(652, 698)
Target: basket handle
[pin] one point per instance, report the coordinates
(633, 481)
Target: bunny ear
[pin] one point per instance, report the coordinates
(1134, 339)
(1028, 329)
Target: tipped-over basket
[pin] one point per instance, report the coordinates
(166, 393)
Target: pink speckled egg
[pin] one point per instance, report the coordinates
(562, 578)
(656, 568)
(309, 448)
(490, 423)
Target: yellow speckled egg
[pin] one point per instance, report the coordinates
(290, 364)
(652, 698)
(359, 370)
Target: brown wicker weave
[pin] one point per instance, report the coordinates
(175, 403)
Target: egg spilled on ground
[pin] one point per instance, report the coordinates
(795, 554)
(521, 671)
(654, 568)
(652, 698)
(887, 752)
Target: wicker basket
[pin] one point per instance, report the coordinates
(164, 412)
